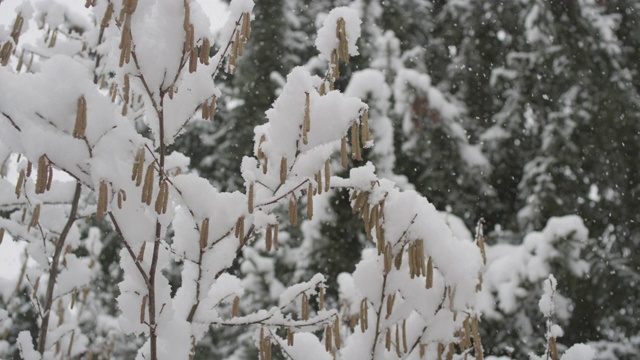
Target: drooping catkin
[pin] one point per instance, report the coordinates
(290, 340)
(29, 168)
(387, 340)
(336, 333)
(365, 131)
(321, 298)
(1, 235)
(343, 152)
(122, 196)
(306, 125)
(310, 201)
(212, 108)
(391, 298)
(283, 170)
(102, 200)
(147, 188)
(204, 233)
(397, 261)
(343, 45)
(327, 176)
(429, 282)
(246, 25)
(477, 343)
(275, 237)
(41, 179)
(318, 178)
(20, 182)
(364, 315)
(49, 177)
(81, 119)
(304, 307)
(162, 199)
(250, 199)
(106, 18)
(398, 353)
(355, 141)
(405, 348)
(479, 285)
(328, 337)
(204, 51)
(140, 256)
(142, 309)
(553, 348)
(412, 260)
(235, 309)
(35, 217)
(73, 333)
(293, 210)
(205, 110)
(193, 60)
(423, 350)
(480, 240)
(240, 230)
(138, 167)
(268, 237)
(387, 258)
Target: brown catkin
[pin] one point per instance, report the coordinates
(73, 333)
(328, 336)
(318, 178)
(327, 176)
(193, 60)
(212, 108)
(120, 199)
(275, 237)
(41, 179)
(387, 258)
(235, 309)
(354, 140)
(106, 18)
(81, 119)
(387, 340)
(429, 282)
(138, 167)
(553, 348)
(204, 51)
(142, 308)
(102, 200)
(398, 353)
(365, 132)
(204, 233)
(240, 230)
(343, 152)
(293, 210)
(35, 217)
(269, 237)
(29, 168)
(20, 183)
(49, 177)
(289, 337)
(310, 201)
(397, 262)
(147, 189)
(343, 45)
(306, 125)
(140, 256)
(336, 332)
(246, 25)
(422, 350)
(283, 170)
(205, 110)
(405, 347)
(1, 235)
(250, 199)
(390, 300)
(477, 343)
(304, 310)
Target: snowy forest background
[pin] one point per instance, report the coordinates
(522, 113)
